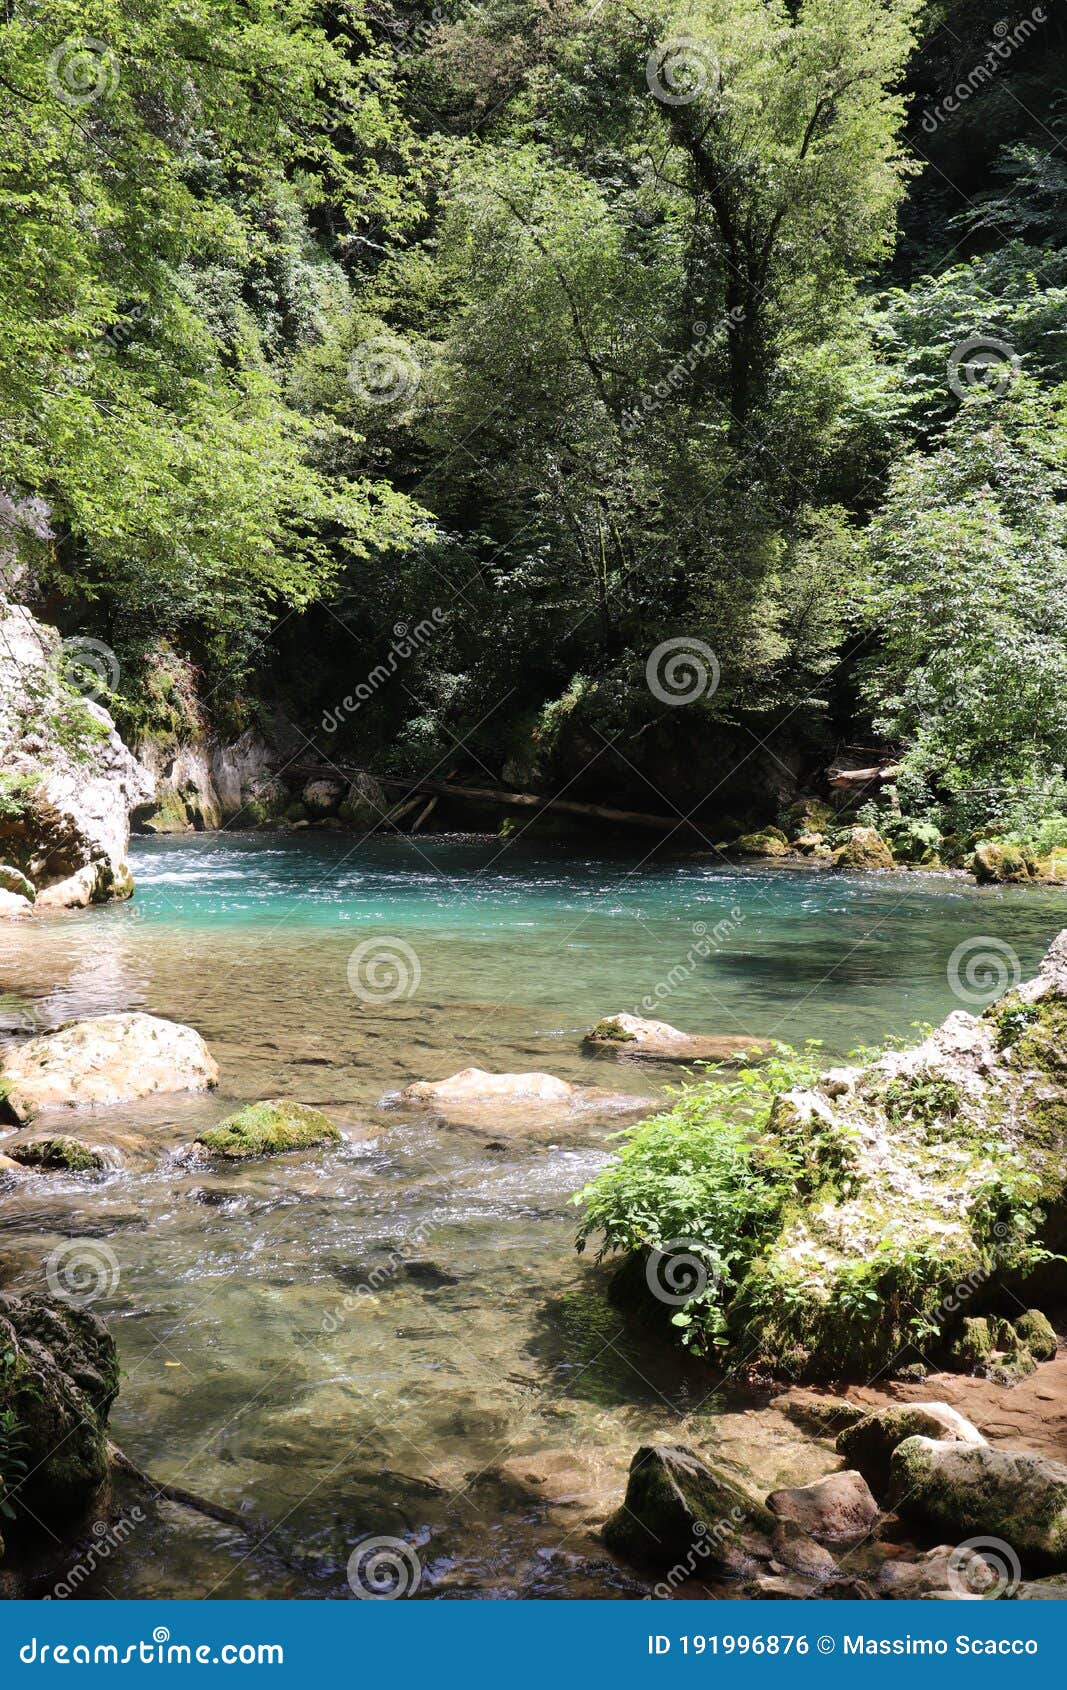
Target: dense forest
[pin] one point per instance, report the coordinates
(565, 363)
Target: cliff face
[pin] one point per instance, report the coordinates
(67, 781)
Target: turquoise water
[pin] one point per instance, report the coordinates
(774, 952)
(396, 1338)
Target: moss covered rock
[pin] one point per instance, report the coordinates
(863, 849)
(971, 1344)
(268, 1129)
(962, 1491)
(995, 861)
(52, 1153)
(59, 1375)
(13, 880)
(916, 843)
(869, 1444)
(916, 1180)
(807, 815)
(1036, 1333)
(768, 842)
(680, 1509)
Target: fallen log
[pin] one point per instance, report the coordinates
(536, 802)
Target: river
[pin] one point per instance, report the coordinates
(397, 1338)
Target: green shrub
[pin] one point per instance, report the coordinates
(689, 1178)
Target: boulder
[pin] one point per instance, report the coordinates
(58, 1381)
(71, 781)
(836, 1508)
(474, 1085)
(634, 1039)
(956, 1573)
(186, 798)
(364, 804)
(896, 1168)
(268, 1129)
(807, 815)
(864, 849)
(769, 842)
(795, 1550)
(869, 1444)
(13, 906)
(323, 796)
(110, 1059)
(969, 1490)
(915, 842)
(848, 1589)
(64, 1153)
(96, 883)
(13, 880)
(1036, 1333)
(682, 1512)
(995, 862)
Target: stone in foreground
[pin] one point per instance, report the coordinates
(59, 1379)
(636, 1040)
(475, 1085)
(964, 1490)
(68, 1154)
(268, 1129)
(111, 1059)
(682, 1513)
(834, 1509)
(869, 1444)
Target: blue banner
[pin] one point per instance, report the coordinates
(519, 1644)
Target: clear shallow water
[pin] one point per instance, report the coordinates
(397, 1338)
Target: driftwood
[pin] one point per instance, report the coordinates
(243, 1523)
(535, 802)
(845, 779)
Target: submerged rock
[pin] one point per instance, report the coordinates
(475, 1085)
(110, 1059)
(67, 1153)
(966, 1490)
(513, 1102)
(268, 1129)
(682, 1513)
(836, 1508)
(58, 1381)
(869, 1444)
(634, 1039)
